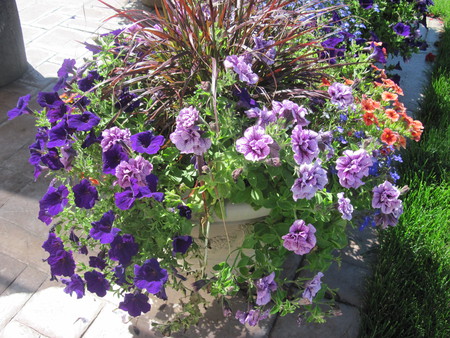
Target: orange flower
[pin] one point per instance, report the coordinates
(370, 118)
(388, 136)
(375, 67)
(348, 82)
(392, 85)
(416, 130)
(369, 105)
(408, 119)
(399, 107)
(94, 181)
(325, 82)
(388, 96)
(401, 142)
(392, 115)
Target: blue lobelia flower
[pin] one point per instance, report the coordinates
(146, 142)
(83, 122)
(96, 283)
(103, 230)
(21, 107)
(123, 248)
(181, 244)
(150, 276)
(61, 263)
(85, 194)
(74, 284)
(135, 304)
(52, 203)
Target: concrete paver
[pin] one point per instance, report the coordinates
(16, 329)
(10, 268)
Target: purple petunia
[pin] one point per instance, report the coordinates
(402, 29)
(312, 287)
(266, 50)
(74, 284)
(61, 263)
(312, 177)
(66, 67)
(385, 197)
(85, 194)
(344, 206)
(123, 248)
(112, 158)
(59, 134)
(304, 144)
(385, 220)
(102, 230)
(52, 203)
(146, 142)
(115, 135)
(87, 82)
(352, 167)
(125, 199)
(378, 54)
(97, 262)
(96, 283)
(184, 211)
(150, 276)
(48, 99)
(190, 141)
(252, 317)
(68, 154)
(255, 145)
(83, 122)
(264, 286)
(127, 101)
(52, 159)
(366, 4)
(181, 244)
(241, 67)
(53, 244)
(135, 304)
(341, 95)
(135, 168)
(20, 108)
(301, 238)
(290, 111)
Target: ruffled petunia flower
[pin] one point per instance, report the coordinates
(341, 95)
(74, 284)
(123, 248)
(20, 108)
(385, 197)
(190, 140)
(115, 135)
(135, 168)
(264, 286)
(300, 239)
(263, 115)
(352, 167)
(135, 304)
(304, 144)
(242, 68)
(291, 112)
(83, 122)
(312, 178)
(146, 142)
(266, 50)
(150, 276)
(96, 283)
(255, 144)
(85, 194)
(181, 244)
(102, 230)
(52, 203)
(344, 206)
(125, 200)
(187, 118)
(312, 287)
(252, 317)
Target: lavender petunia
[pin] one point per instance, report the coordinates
(123, 248)
(53, 202)
(344, 206)
(341, 95)
(190, 141)
(135, 168)
(266, 49)
(312, 287)
(352, 167)
(150, 276)
(102, 230)
(263, 115)
(146, 142)
(20, 108)
(385, 220)
(187, 117)
(68, 155)
(83, 122)
(135, 304)
(264, 286)
(300, 239)
(385, 197)
(181, 244)
(85, 194)
(255, 144)
(290, 111)
(304, 144)
(252, 317)
(312, 177)
(112, 158)
(61, 263)
(115, 135)
(74, 284)
(241, 67)
(96, 283)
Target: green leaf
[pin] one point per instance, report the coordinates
(256, 195)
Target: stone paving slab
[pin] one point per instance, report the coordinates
(10, 268)
(16, 329)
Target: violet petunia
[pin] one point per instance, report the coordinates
(312, 287)
(52, 159)
(20, 108)
(127, 101)
(59, 134)
(123, 248)
(263, 115)
(385, 197)
(102, 230)
(112, 158)
(96, 283)
(74, 284)
(85, 194)
(184, 211)
(255, 145)
(150, 276)
(146, 142)
(135, 304)
(53, 202)
(57, 111)
(352, 167)
(97, 262)
(87, 82)
(83, 122)
(312, 178)
(61, 263)
(290, 111)
(48, 99)
(402, 29)
(53, 244)
(67, 67)
(181, 244)
(300, 239)
(264, 286)
(252, 317)
(385, 220)
(68, 155)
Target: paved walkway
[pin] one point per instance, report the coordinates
(33, 306)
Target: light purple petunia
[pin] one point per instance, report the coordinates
(290, 111)
(312, 177)
(300, 239)
(190, 141)
(385, 197)
(135, 168)
(341, 95)
(114, 135)
(187, 118)
(264, 286)
(241, 67)
(255, 145)
(267, 53)
(312, 287)
(304, 144)
(352, 167)
(344, 206)
(252, 317)
(263, 115)
(385, 220)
